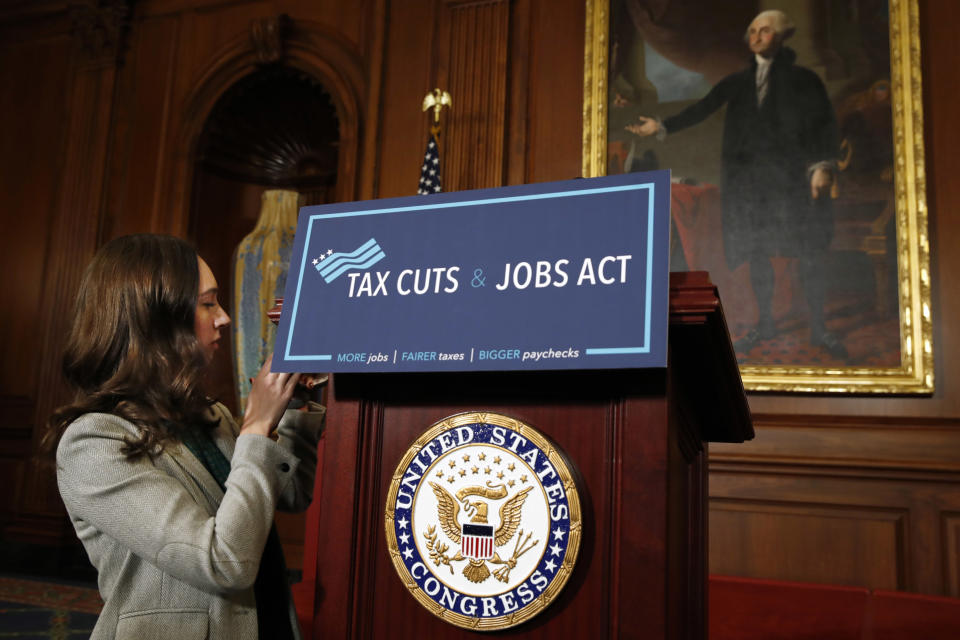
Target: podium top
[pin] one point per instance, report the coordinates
(702, 358)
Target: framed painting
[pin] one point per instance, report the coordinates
(794, 133)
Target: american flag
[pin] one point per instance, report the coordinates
(430, 171)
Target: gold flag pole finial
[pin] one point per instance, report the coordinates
(438, 100)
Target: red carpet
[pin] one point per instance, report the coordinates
(50, 595)
(48, 610)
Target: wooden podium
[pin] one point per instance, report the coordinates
(636, 439)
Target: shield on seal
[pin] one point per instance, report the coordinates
(476, 541)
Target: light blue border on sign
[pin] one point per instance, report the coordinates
(430, 208)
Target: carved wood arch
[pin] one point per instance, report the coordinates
(308, 47)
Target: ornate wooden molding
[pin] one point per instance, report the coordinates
(874, 446)
(276, 126)
(100, 29)
(311, 48)
(268, 35)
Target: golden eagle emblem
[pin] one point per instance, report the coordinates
(477, 539)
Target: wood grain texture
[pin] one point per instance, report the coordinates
(809, 502)
(37, 75)
(846, 544)
(473, 63)
(71, 237)
(951, 551)
(642, 491)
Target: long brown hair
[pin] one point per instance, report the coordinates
(132, 350)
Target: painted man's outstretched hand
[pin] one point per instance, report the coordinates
(645, 127)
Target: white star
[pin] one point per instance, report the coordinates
(435, 160)
(550, 566)
(315, 261)
(430, 145)
(405, 538)
(424, 167)
(436, 188)
(433, 172)
(555, 550)
(408, 553)
(402, 522)
(322, 257)
(559, 533)
(329, 251)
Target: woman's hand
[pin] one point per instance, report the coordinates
(269, 396)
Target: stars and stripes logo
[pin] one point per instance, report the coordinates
(331, 265)
(430, 170)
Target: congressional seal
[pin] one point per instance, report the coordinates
(483, 521)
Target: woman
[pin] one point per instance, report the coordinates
(174, 501)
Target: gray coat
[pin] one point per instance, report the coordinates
(176, 556)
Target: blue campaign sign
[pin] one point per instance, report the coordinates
(562, 275)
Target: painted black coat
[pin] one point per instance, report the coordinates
(767, 152)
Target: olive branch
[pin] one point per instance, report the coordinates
(438, 550)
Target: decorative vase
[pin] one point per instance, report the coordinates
(260, 265)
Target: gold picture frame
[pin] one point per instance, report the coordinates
(906, 204)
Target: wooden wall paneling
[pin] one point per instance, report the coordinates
(554, 135)
(368, 169)
(848, 501)
(141, 129)
(849, 442)
(472, 65)
(845, 544)
(98, 35)
(35, 74)
(951, 552)
(518, 72)
(408, 75)
(533, 123)
(35, 64)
